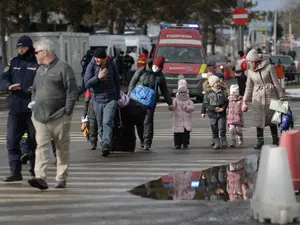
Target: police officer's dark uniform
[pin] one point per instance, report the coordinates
(22, 70)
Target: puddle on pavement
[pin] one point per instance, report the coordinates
(224, 183)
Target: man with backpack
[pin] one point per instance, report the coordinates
(150, 76)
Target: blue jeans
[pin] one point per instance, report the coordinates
(105, 114)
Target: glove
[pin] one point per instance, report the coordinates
(244, 107)
(84, 119)
(31, 105)
(171, 108)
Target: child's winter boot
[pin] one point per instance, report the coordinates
(212, 143)
(217, 143)
(233, 141)
(260, 143)
(240, 140)
(224, 142)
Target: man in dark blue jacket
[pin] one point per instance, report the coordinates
(103, 78)
(18, 80)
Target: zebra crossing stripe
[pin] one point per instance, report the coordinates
(98, 191)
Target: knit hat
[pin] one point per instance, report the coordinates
(253, 56)
(234, 89)
(24, 41)
(182, 88)
(212, 80)
(182, 82)
(100, 53)
(159, 61)
(220, 75)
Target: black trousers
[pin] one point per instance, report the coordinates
(242, 80)
(260, 131)
(182, 138)
(93, 126)
(17, 124)
(146, 130)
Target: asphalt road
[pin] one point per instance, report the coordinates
(97, 187)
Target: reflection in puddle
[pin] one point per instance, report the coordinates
(230, 182)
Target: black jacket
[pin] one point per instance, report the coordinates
(22, 70)
(145, 76)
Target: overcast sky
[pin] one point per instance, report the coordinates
(273, 4)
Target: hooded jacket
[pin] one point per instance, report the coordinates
(182, 114)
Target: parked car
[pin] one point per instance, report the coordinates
(288, 63)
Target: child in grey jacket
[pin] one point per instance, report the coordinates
(216, 102)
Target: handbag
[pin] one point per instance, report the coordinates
(145, 95)
(276, 118)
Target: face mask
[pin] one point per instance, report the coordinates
(155, 68)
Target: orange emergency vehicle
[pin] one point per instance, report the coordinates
(185, 57)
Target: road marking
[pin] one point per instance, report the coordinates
(99, 191)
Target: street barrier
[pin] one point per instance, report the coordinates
(274, 199)
(290, 141)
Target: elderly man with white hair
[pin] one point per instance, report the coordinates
(54, 94)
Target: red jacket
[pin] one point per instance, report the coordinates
(244, 65)
(88, 93)
(142, 60)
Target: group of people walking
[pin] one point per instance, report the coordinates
(258, 84)
(43, 93)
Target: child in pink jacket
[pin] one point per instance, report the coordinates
(235, 115)
(183, 107)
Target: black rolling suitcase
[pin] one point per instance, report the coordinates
(123, 134)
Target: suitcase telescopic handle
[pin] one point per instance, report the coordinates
(120, 117)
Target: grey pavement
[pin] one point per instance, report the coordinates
(97, 188)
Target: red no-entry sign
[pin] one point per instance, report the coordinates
(240, 16)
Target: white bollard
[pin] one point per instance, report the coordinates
(274, 197)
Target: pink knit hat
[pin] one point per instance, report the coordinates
(182, 82)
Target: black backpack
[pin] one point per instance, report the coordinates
(86, 60)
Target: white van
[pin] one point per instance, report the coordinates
(135, 45)
(112, 44)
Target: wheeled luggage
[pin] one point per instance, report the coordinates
(123, 134)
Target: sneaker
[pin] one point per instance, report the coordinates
(142, 145)
(185, 146)
(61, 184)
(177, 147)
